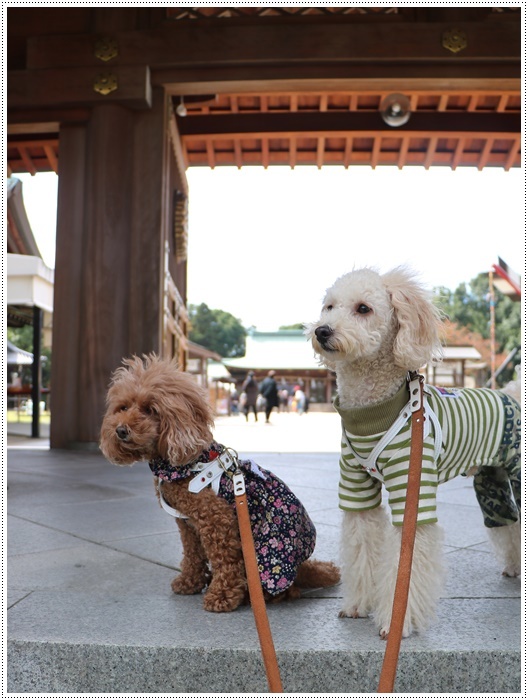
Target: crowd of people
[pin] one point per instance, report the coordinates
(264, 397)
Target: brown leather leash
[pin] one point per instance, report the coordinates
(403, 578)
(410, 515)
(256, 595)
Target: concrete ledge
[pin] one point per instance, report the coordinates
(66, 668)
(78, 643)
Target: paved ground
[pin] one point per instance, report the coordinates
(91, 556)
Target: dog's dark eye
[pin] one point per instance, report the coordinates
(147, 409)
(329, 307)
(363, 309)
(122, 408)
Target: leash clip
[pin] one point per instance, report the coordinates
(239, 485)
(415, 381)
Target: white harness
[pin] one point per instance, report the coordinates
(431, 419)
(208, 474)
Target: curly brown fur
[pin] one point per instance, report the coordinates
(154, 410)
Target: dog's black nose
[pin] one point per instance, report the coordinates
(323, 333)
(122, 432)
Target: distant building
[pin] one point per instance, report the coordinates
(291, 355)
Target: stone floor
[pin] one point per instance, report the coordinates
(91, 557)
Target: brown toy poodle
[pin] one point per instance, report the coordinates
(158, 414)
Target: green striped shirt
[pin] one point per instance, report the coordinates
(472, 423)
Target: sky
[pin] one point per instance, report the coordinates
(265, 245)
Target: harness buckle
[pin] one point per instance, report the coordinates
(415, 381)
(209, 473)
(228, 459)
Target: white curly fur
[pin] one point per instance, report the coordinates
(373, 329)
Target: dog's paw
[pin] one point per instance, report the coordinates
(183, 585)
(353, 611)
(221, 603)
(512, 571)
(384, 631)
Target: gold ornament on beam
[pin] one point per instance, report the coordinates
(105, 83)
(106, 48)
(454, 40)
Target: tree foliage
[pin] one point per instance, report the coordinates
(469, 307)
(23, 339)
(293, 327)
(217, 330)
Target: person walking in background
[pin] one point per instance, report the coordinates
(269, 391)
(235, 402)
(251, 390)
(300, 400)
(284, 396)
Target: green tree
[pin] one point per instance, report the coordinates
(469, 307)
(23, 338)
(293, 327)
(217, 330)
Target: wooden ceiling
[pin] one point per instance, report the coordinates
(33, 153)
(445, 129)
(468, 114)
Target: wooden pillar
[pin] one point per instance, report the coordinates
(64, 399)
(112, 223)
(36, 371)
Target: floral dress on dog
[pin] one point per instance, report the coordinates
(283, 532)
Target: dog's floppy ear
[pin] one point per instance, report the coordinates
(418, 339)
(185, 418)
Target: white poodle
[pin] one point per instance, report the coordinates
(373, 330)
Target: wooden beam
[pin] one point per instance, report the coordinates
(293, 152)
(320, 151)
(379, 77)
(186, 160)
(503, 103)
(414, 158)
(513, 155)
(35, 128)
(26, 159)
(265, 152)
(442, 105)
(330, 122)
(210, 153)
(24, 118)
(52, 158)
(402, 156)
(261, 43)
(293, 141)
(179, 151)
(237, 146)
(431, 152)
(285, 135)
(376, 148)
(459, 152)
(473, 101)
(485, 154)
(68, 87)
(349, 147)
